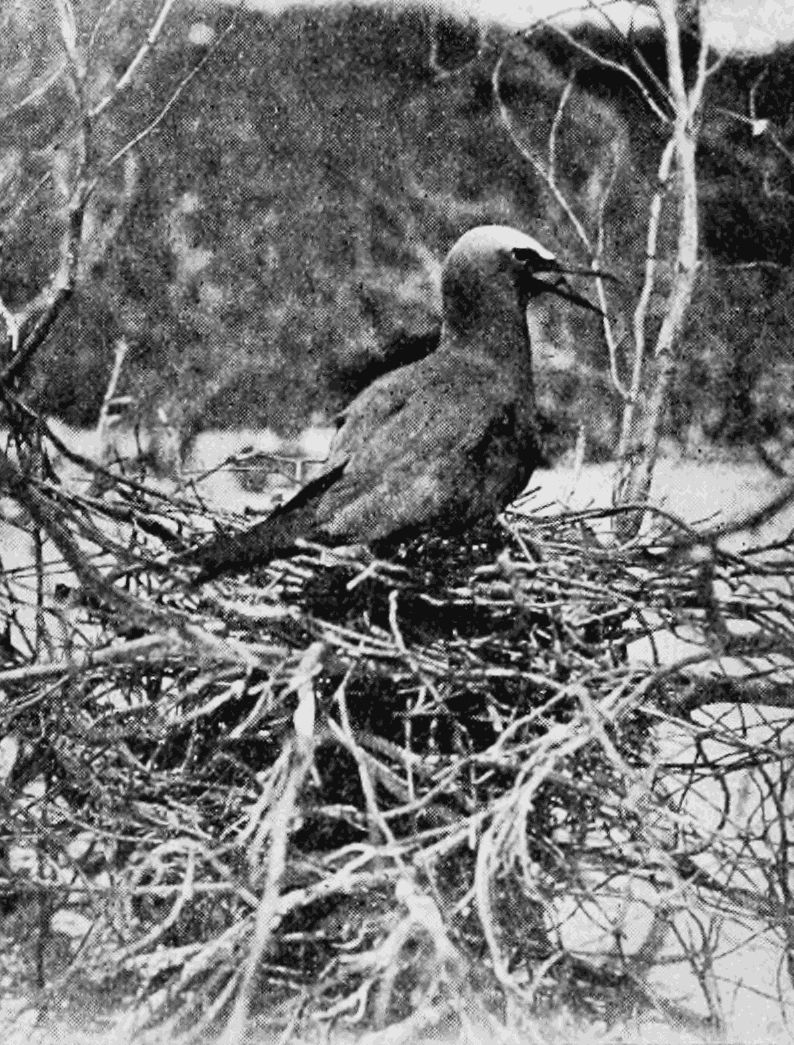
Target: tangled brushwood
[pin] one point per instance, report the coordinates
(398, 793)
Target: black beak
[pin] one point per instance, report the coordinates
(560, 286)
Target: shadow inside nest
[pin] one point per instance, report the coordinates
(432, 579)
(436, 651)
(442, 665)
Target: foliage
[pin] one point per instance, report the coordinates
(347, 788)
(288, 217)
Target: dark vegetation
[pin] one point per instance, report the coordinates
(281, 229)
(346, 791)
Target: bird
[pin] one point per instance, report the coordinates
(437, 444)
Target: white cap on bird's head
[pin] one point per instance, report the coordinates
(474, 266)
(493, 247)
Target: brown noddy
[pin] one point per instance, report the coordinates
(437, 444)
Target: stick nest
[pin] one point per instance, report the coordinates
(377, 793)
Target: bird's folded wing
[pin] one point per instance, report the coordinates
(418, 447)
(415, 450)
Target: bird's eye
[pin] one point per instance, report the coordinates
(535, 261)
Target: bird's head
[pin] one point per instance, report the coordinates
(491, 258)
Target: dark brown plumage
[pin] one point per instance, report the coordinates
(439, 443)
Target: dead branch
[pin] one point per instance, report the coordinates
(547, 175)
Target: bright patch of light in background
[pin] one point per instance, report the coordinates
(732, 25)
(514, 14)
(520, 14)
(200, 34)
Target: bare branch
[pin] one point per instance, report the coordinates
(41, 314)
(138, 59)
(608, 63)
(50, 520)
(56, 296)
(555, 126)
(67, 26)
(50, 304)
(99, 232)
(759, 692)
(12, 326)
(703, 70)
(152, 647)
(431, 17)
(639, 449)
(36, 93)
(651, 265)
(781, 148)
(535, 162)
(103, 423)
(609, 335)
(602, 9)
(547, 176)
(21, 206)
(668, 16)
(175, 96)
(754, 93)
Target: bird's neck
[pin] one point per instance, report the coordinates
(498, 334)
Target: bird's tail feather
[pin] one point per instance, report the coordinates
(239, 552)
(276, 535)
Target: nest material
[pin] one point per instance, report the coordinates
(351, 789)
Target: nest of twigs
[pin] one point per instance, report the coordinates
(360, 793)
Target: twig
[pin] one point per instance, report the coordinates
(547, 176)
(126, 78)
(176, 94)
(619, 67)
